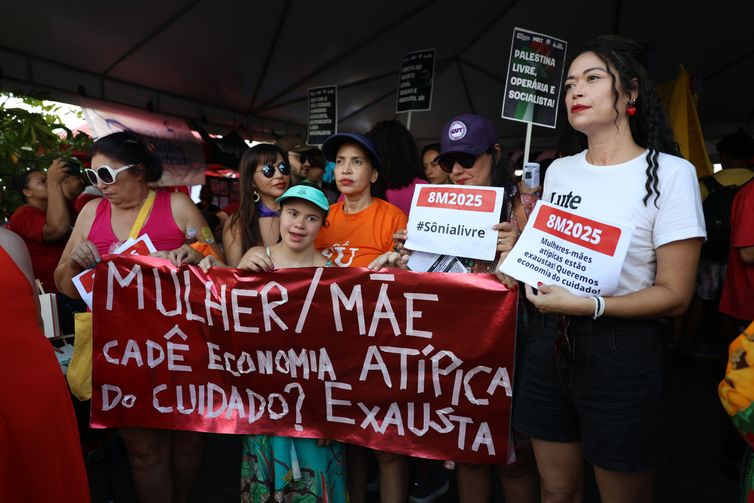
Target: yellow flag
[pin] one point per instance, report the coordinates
(687, 129)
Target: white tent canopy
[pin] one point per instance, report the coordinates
(248, 65)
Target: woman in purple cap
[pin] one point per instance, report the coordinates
(592, 386)
(471, 155)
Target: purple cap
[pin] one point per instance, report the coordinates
(468, 134)
(331, 146)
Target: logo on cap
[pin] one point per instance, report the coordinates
(457, 130)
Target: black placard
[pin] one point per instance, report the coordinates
(535, 77)
(415, 83)
(323, 114)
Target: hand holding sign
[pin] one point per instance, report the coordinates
(581, 254)
(557, 299)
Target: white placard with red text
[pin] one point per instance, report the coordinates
(583, 254)
(84, 281)
(455, 220)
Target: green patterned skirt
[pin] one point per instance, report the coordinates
(282, 469)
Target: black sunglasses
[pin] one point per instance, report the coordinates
(268, 170)
(466, 161)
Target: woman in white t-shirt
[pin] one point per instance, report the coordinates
(590, 381)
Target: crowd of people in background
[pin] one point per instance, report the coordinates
(588, 378)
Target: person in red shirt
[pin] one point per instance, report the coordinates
(45, 221)
(90, 192)
(738, 290)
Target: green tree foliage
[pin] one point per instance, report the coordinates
(31, 139)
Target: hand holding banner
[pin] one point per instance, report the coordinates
(582, 254)
(84, 281)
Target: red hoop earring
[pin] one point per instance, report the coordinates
(631, 108)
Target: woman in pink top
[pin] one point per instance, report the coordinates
(163, 462)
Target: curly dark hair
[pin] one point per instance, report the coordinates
(502, 176)
(400, 161)
(625, 59)
(130, 148)
(247, 216)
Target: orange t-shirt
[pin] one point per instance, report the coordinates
(355, 240)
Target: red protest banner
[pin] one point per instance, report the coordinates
(415, 363)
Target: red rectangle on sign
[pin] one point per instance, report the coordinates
(602, 238)
(138, 248)
(455, 198)
(87, 281)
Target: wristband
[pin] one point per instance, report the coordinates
(599, 306)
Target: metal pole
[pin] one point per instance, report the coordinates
(527, 145)
(408, 121)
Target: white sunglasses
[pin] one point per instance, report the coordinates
(105, 174)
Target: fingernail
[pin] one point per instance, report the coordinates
(539, 283)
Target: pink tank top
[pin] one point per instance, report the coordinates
(160, 226)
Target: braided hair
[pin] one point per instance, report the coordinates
(625, 59)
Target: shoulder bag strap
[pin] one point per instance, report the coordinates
(141, 218)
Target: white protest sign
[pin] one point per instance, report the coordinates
(455, 220)
(582, 254)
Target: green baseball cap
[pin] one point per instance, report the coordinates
(308, 193)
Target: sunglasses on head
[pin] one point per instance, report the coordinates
(466, 161)
(105, 174)
(268, 170)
